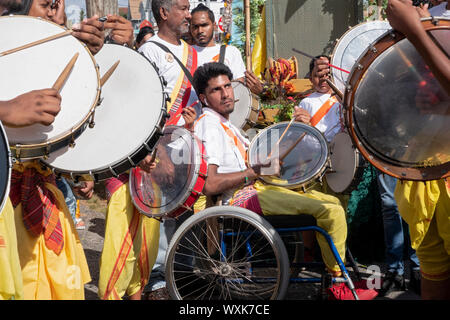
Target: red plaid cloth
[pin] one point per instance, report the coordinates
(40, 213)
(247, 198)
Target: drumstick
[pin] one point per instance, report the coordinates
(282, 135)
(34, 43)
(293, 146)
(65, 73)
(310, 56)
(108, 73)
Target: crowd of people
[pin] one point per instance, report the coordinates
(40, 250)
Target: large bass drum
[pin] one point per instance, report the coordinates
(396, 111)
(5, 168)
(38, 67)
(351, 45)
(128, 122)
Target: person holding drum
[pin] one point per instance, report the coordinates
(48, 239)
(228, 173)
(425, 206)
(202, 30)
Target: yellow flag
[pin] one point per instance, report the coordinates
(259, 47)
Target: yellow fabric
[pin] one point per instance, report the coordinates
(124, 269)
(11, 283)
(425, 206)
(47, 276)
(325, 208)
(200, 204)
(259, 55)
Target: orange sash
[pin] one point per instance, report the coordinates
(323, 110)
(236, 140)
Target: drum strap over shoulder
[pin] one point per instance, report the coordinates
(236, 140)
(323, 110)
(223, 48)
(180, 96)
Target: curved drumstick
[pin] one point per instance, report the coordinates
(109, 73)
(34, 43)
(65, 73)
(292, 147)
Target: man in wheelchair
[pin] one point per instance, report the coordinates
(229, 175)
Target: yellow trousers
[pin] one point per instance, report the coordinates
(129, 250)
(425, 207)
(11, 283)
(326, 209)
(46, 275)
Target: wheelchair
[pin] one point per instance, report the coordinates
(231, 253)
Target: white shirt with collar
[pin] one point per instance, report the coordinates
(219, 146)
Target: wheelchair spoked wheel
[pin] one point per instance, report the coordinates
(226, 253)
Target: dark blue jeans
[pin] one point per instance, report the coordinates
(396, 235)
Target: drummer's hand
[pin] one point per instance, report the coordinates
(268, 168)
(90, 31)
(189, 115)
(59, 15)
(38, 106)
(253, 83)
(321, 68)
(301, 115)
(86, 191)
(404, 17)
(122, 29)
(147, 164)
(423, 10)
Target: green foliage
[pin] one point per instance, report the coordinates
(82, 14)
(373, 14)
(255, 20)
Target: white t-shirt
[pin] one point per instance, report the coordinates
(330, 124)
(168, 68)
(233, 58)
(219, 146)
(440, 10)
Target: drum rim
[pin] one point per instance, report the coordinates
(249, 110)
(81, 125)
(356, 162)
(318, 172)
(339, 41)
(354, 79)
(5, 194)
(195, 176)
(156, 130)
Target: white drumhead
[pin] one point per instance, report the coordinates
(351, 45)
(38, 67)
(343, 157)
(242, 108)
(129, 112)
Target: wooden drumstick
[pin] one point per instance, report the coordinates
(108, 73)
(34, 43)
(292, 147)
(282, 135)
(65, 73)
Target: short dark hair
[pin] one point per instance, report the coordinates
(19, 8)
(143, 32)
(311, 64)
(202, 8)
(158, 4)
(208, 71)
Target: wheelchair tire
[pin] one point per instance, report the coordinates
(227, 253)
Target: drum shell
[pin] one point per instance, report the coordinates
(247, 107)
(358, 73)
(6, 168)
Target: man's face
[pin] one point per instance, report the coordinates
(219, 95)
(319, 86)
(202, 28)
(178, 16)
(42, 9)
